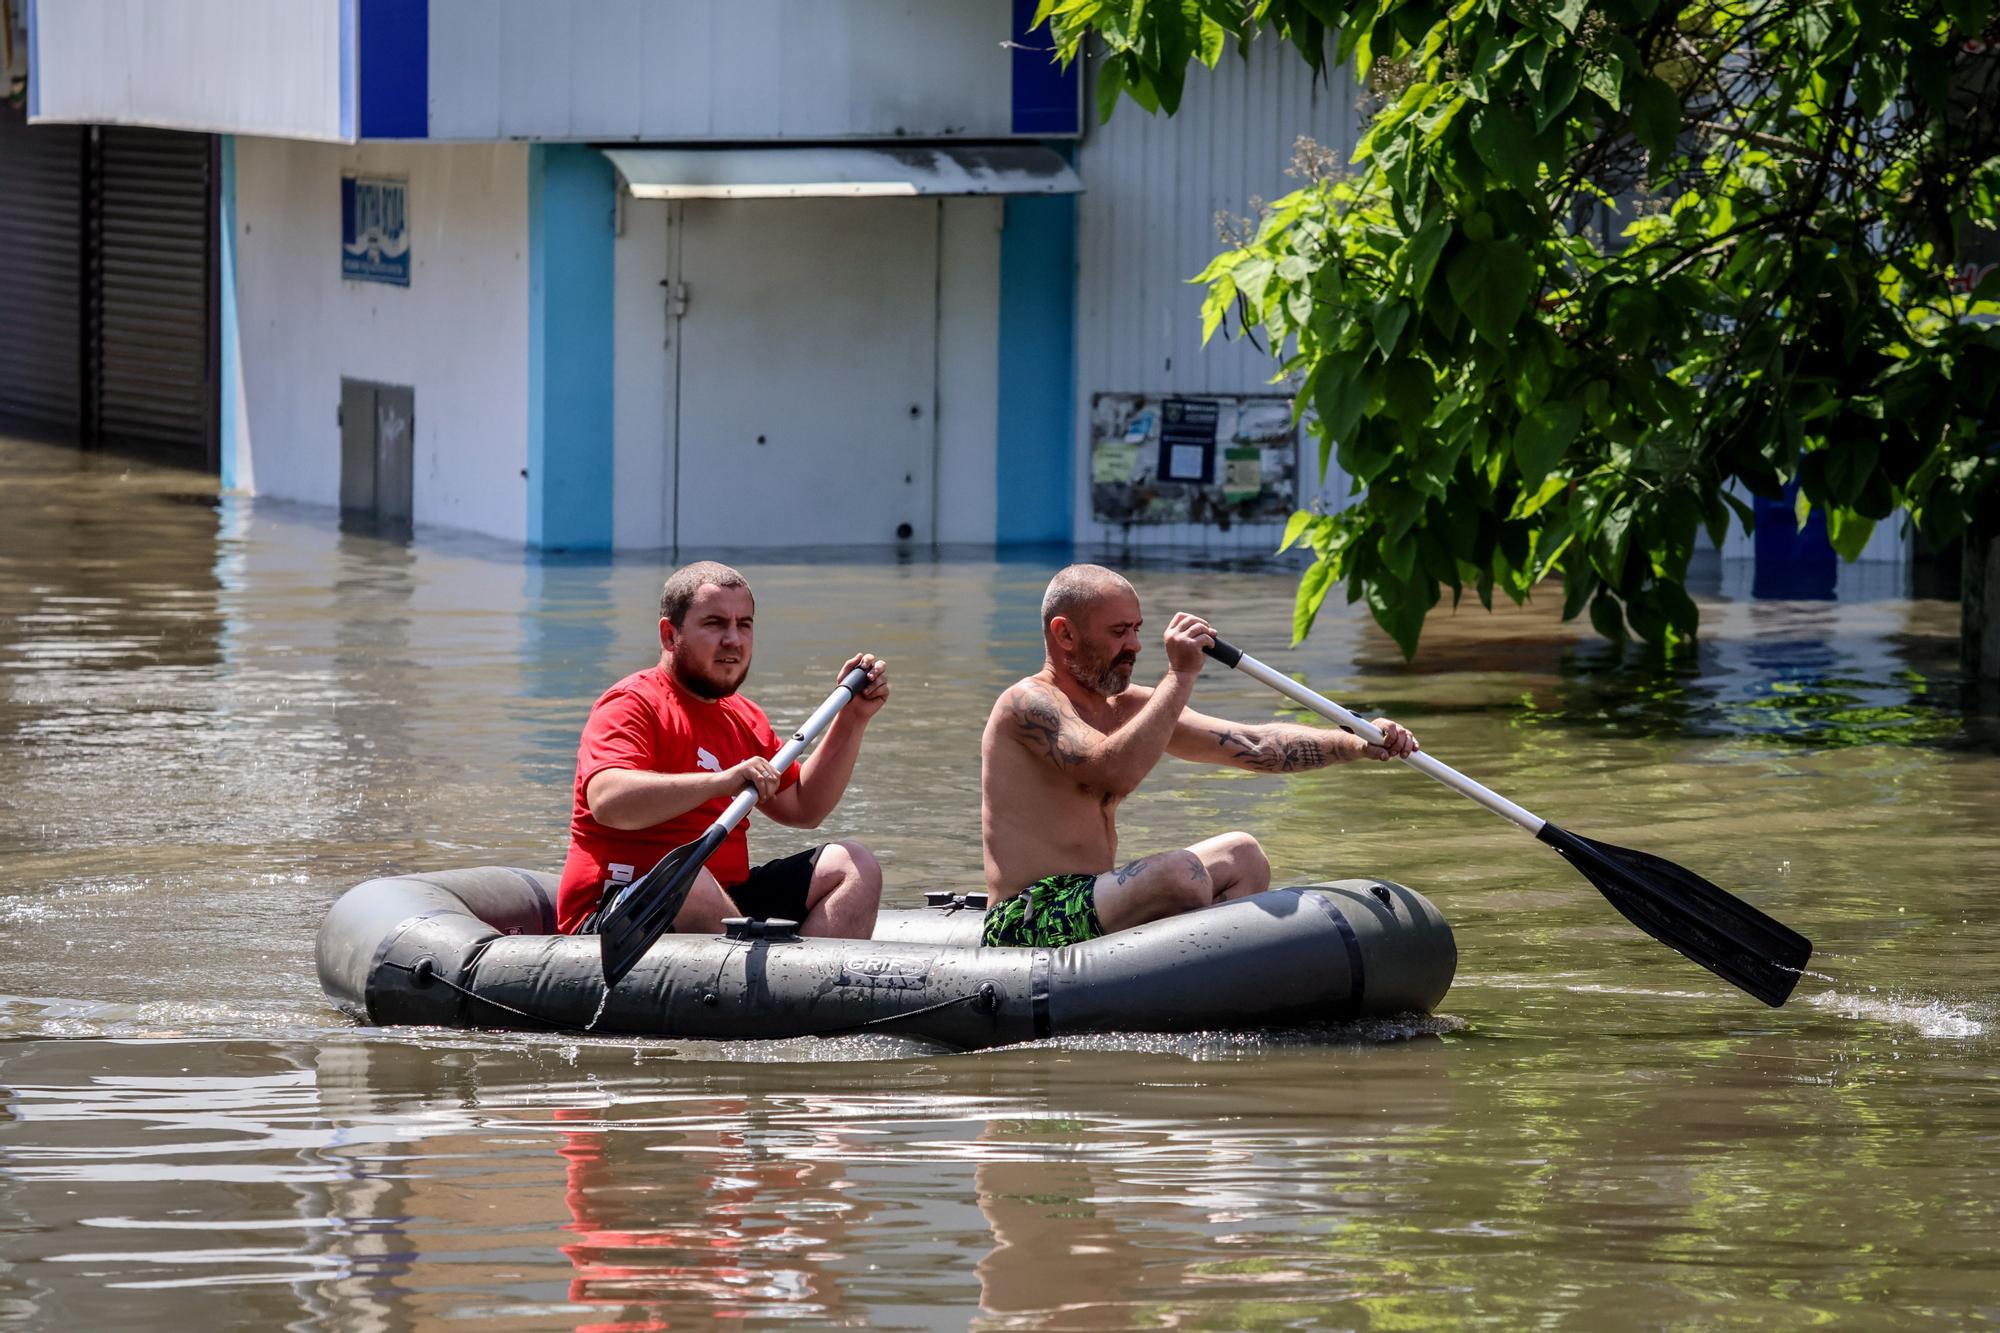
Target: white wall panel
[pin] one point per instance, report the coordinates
(229, 66)
(719, 69)
(1146, 224)
(642, 383)
(458, 332)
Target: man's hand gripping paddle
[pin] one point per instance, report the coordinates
(1674, 905)
(644, 909)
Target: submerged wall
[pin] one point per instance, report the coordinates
(458, 334)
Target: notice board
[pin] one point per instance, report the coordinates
(1174, 458)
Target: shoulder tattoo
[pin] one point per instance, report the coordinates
(1042, 724)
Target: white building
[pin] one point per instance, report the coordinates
(640, 274)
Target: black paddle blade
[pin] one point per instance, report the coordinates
(1683, 911)
(643, 912)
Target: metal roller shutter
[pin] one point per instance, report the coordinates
(151, 212)
(41, 301)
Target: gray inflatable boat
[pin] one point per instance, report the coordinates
(475, 949)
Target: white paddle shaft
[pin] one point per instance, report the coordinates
(1420, 761)
(850, 686)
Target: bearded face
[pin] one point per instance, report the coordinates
(710, 649)
(1104, 671)
(1105, 643)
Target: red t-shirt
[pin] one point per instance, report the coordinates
(649, 723)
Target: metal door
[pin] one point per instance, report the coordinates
(41, 283)
(807, 372)
(377, 460)
(150, 211)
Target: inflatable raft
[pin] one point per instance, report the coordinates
(476, 948)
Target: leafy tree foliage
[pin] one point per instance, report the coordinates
(1594, 270)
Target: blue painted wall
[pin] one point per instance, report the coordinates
(1037, 459)
(34, 93)
(225, 293)
(395, 69)
(572, 199)
(1047, 96)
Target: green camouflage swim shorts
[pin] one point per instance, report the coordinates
(1051, 912)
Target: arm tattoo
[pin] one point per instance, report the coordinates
(1042, 727)
(1129, 869)
(1275, 750)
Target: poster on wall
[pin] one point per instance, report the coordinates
(375, 229)
(1220, 460)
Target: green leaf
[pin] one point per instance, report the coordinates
(1399, 555)
(1848, 467)
(1578, 585)
(1605, 616)
(1683, 616)
(1313, 586)
(1559, 89)
(1745, 515)
(1569, 13)
(1337, 398)
(1801, 509)
(1110, 82)
(1506, 146)
(1408, 391)
(1296, 528)
(1543, 436)
(1848, 531)
(1656, 114)
(1399, 609)
(1630, 314)
(1491, 281)
(1609, 548)
(1604, 78)
(1642, 612)
(1420, 253)
(1388, 322)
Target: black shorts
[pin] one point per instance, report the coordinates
(778, 888)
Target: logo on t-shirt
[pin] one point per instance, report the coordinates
(703, 759)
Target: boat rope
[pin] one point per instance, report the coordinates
(426, 969)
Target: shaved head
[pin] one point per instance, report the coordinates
(1076, 588)
(1099, 640)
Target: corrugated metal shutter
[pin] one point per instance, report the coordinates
(41, 302)
(151, 212)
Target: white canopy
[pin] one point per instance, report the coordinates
(819, 173)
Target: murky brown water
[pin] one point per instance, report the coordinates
(215, 718)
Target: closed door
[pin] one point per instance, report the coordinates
(807, 372)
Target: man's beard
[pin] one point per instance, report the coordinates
(1106, 677)
(704, 686)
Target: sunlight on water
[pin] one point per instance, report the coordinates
(216, 716)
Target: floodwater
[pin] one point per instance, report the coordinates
(215, 716)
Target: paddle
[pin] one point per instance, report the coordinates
(643, 910)
(1674, 905)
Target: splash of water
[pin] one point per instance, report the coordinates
(1927, 1018)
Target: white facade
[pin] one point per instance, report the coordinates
(458, 333)
(718, 69)
(1146, 223)
(242, 66)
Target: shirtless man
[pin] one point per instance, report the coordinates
(1066, 746)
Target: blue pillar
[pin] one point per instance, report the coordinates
(572, 202)
(1036, 479)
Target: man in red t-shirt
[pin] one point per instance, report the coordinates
(666, 750)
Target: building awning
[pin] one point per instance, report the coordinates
(823, 173)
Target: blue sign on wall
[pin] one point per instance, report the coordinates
(375, 229)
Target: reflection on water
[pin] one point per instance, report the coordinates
(214, 717)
